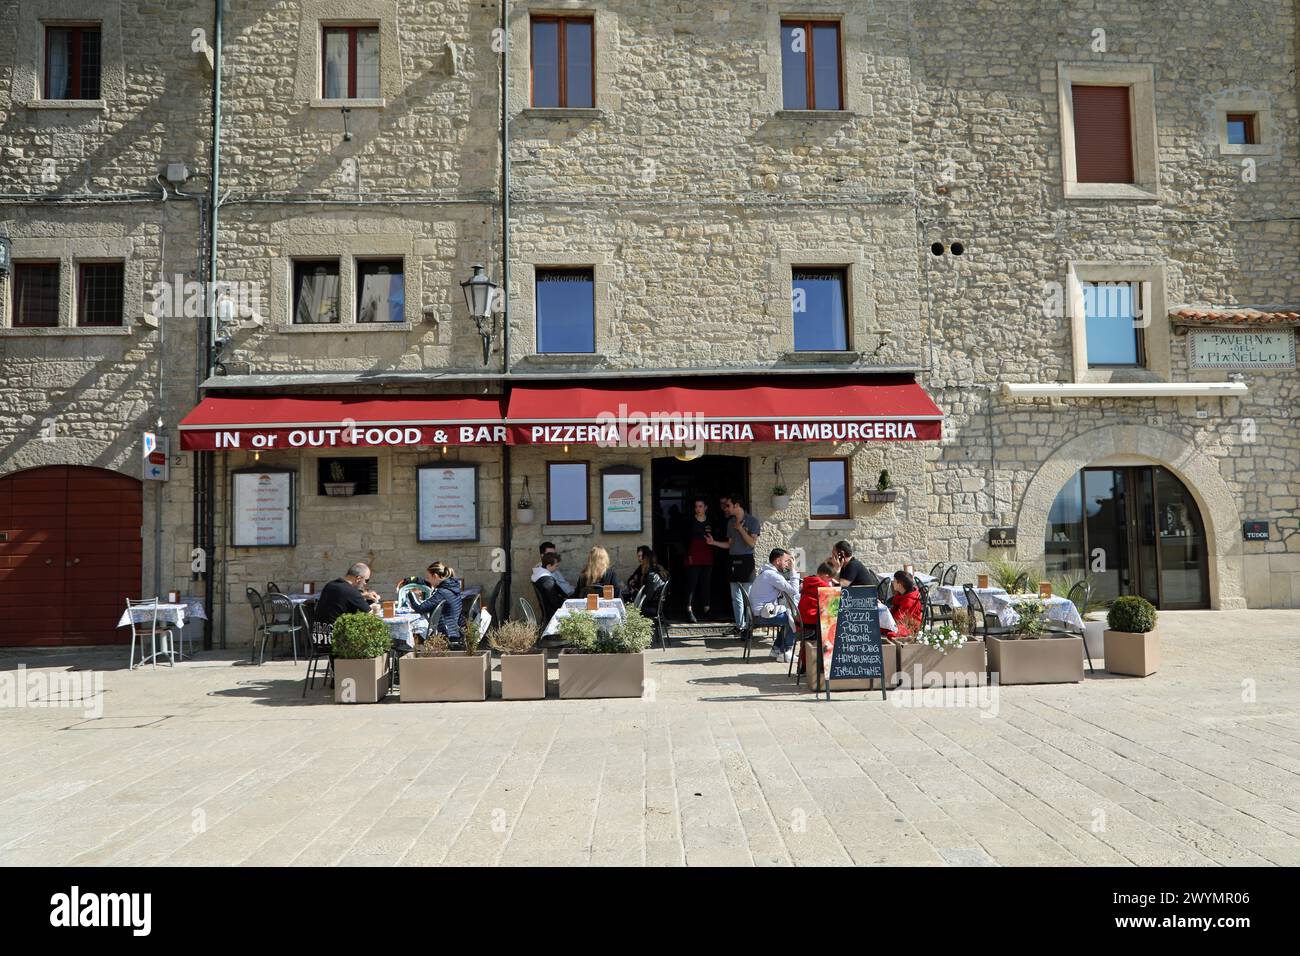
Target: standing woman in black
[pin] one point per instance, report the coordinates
(699, 561)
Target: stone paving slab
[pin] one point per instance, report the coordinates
(221, 762)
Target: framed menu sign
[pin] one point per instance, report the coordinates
(447, 495)
(620, 500)
(262, 504)
(850, 626)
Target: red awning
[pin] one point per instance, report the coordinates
(840, 408)
(267, 422)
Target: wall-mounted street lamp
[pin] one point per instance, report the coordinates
(479, 294)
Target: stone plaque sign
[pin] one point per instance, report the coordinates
(1239, 348)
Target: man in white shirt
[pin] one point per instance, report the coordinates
(765, 600)
(548, 547)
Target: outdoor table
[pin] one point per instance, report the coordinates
(404, 626)
(955, 597)
(608, 612)
(167, 614)
(922, 578)
(300, 598)
(1059, 609)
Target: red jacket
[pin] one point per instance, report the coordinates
(904, 607)
(808, 609)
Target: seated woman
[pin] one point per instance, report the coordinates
(905, 606)
(649, 575)
(446, 591)
(596, 573)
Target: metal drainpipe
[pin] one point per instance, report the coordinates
(507, 513)
(209, 469)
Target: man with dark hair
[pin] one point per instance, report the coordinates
(765, 600)
(849, 571)
(541, 570)
(550, 595)
(742, 534)
(345, 595)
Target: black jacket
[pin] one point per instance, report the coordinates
(448, 594)
(338, 598)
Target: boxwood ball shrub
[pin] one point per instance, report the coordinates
(580, 632)
(1131, 614)
(359, 636)
(634, 634)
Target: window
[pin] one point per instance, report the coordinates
(361, 473)
(100, 288)
(36, 294)
(828, 488)
(381, 292)
(1113, 326)
(350, 63)
(563, 52)
(1243, 129)
(810, 65)
(820, 310)
(566, 492)
(1103, 134)
(566, 310)
(315, 291)
(72, 62)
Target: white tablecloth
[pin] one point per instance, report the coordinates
(922, 578)
(1059, 609)
(580, 604)
(955, 597)
(168, 615)
(607, 616)
(405, 626)
(300, 598)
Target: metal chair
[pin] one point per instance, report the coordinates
(979, 622)
(319, 644)
(639, 599)
(749, 627)
(259, 617)
(493, 601)
(1080, 595)
(530, 616)
(272, 587)
(137, 631)
(434, 619)
(472, 613)
(1021, 583)
(935, 610)
(885, 590)
(661, 625)
(936, 572)
(282, 619)
(950, 576)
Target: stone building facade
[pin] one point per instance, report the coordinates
(692, 191)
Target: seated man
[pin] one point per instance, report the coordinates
(849, 571)
(345, 595)
(548, 547)
(550, 595)
(765, 600)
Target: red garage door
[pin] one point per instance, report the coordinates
(69, 555)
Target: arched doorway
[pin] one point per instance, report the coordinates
(70, 555)
(1133, 530)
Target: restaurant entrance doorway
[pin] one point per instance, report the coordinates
(674, 486)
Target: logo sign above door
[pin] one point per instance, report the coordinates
(1254, 530)
(1002, 537)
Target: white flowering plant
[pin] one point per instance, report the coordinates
(943, 637)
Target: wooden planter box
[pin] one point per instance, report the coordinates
(922, 666)
(887, 650)
(1137, 655)
(1045, 660)
(363, 681)
(445, 677)
(601, 675)
(523, 676)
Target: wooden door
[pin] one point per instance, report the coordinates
(70, 555)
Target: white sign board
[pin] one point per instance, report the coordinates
(620, 501)
(263, 509)
(448, 503)
(156, 463)
(1240, 348)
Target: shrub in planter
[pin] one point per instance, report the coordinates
(360, 646)
(1132, 642)
(604, 663)
(884, 490)
(1005, 573)
(523, 666)
(435, 673)
(940, 655)
(1031, 654)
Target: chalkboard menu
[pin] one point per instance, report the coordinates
(856, 653)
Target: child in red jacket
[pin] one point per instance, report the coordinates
(905, 605)
(808, 609)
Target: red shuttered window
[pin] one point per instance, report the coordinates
(1103, 134)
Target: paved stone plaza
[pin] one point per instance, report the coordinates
(220, 762)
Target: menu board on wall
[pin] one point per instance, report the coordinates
(263, 509)
(448, 502)
(620, 500)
